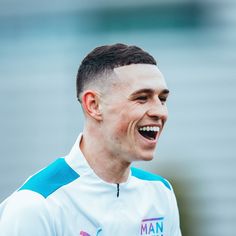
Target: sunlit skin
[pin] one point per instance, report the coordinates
(136, 97)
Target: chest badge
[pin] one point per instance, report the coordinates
(152, 227)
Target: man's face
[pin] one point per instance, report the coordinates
(134, 112)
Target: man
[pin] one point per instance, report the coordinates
(94, 190)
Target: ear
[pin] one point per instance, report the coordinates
(90, 103)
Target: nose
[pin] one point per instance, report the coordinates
(157, 111)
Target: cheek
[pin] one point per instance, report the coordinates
(123, 118)
(127, 124)
(122, 124)
(114, 123)
(166, 115)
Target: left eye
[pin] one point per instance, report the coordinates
(163, 100)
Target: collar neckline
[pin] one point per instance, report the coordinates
(78, 163)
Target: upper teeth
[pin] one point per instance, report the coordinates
(150, 128)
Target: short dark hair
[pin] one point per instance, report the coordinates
(105, 58)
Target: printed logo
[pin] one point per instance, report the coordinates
(82, 233)
(152, 227)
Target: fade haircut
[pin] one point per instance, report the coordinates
(105, 58)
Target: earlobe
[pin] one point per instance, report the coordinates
(91, 104)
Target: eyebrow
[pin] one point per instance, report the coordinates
(149, 91)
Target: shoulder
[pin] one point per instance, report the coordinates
(51, 178)
(148, 176)
(23, 212)
(22, 201)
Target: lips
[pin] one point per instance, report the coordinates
(149, 132)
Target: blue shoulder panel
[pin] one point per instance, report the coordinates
(144, 175)
(51, 178)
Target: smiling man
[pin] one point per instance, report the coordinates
(94, 190)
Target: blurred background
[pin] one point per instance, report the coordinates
(41, 46)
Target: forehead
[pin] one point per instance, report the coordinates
(139, 76)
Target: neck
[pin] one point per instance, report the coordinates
(108, 167)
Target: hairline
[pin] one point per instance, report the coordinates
(98, 78)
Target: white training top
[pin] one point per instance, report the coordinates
(68, 199)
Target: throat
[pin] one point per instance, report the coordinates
(109, 170)
(105, 164)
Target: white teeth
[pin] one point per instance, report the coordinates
(150, 128)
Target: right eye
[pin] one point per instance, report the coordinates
(142, 98)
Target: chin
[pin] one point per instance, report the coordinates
(146, 157)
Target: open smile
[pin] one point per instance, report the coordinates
(149, 132)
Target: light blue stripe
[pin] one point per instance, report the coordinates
(53, 177)
(144, 175)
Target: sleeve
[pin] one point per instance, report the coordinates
(26, 213)
(175, 224)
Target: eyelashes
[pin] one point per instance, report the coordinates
(144, 98)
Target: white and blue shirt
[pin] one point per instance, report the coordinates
(68, 199)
